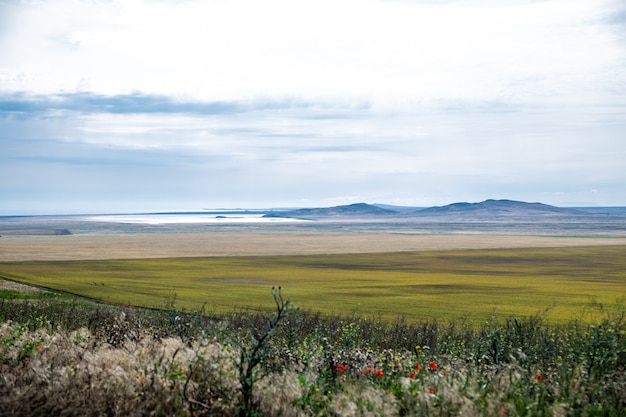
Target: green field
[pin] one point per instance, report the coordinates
(472, 285)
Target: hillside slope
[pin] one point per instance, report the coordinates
(498, 208)
(357, 210)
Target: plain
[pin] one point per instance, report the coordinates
(468, 285)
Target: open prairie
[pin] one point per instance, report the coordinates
(455, 354)
(250, 243)
(407, 276)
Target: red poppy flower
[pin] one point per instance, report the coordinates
(412, 375)
(418, 367)
(341, 368)
(431, 390)
(433, 366)
(539, 377)
(379, 373)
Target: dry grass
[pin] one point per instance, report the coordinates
(23, 248)
(18, 287)
(130, 362)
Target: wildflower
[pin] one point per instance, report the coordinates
(39, 346)
(433, 366)
(370, 370)
(412, 375)
(431, 390)
(396, 366)
(379, 373)
(342, 378)
(418, 367)
(341, 368)
(539, 376)
(138, 377)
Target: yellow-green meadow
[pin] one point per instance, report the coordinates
(473, 285)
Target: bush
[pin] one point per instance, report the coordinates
(60, 357)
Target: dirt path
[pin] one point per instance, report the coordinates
(22, 248)
(18, 287)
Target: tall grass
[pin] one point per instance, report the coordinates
(60, 357)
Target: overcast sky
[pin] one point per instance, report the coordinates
(118, 106)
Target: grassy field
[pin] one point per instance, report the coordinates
(472, 285)
(71, 356)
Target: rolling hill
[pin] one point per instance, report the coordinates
(483, 210)
(498, 208)
(358, 210)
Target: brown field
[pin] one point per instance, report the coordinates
(25, 248)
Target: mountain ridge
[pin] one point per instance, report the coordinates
(499, 207)
(350, 210)
(487, 208)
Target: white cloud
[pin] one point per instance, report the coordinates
(419, 102)
(370, 49)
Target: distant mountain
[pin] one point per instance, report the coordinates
(488, 209)
(357, 210)
(498, 208)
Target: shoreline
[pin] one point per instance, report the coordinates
(214, 244)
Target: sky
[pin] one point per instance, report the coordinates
(158, 105)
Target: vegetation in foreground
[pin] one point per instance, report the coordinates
(60, 357)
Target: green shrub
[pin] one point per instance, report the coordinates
(60, 357)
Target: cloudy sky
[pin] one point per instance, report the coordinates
(118, 106)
